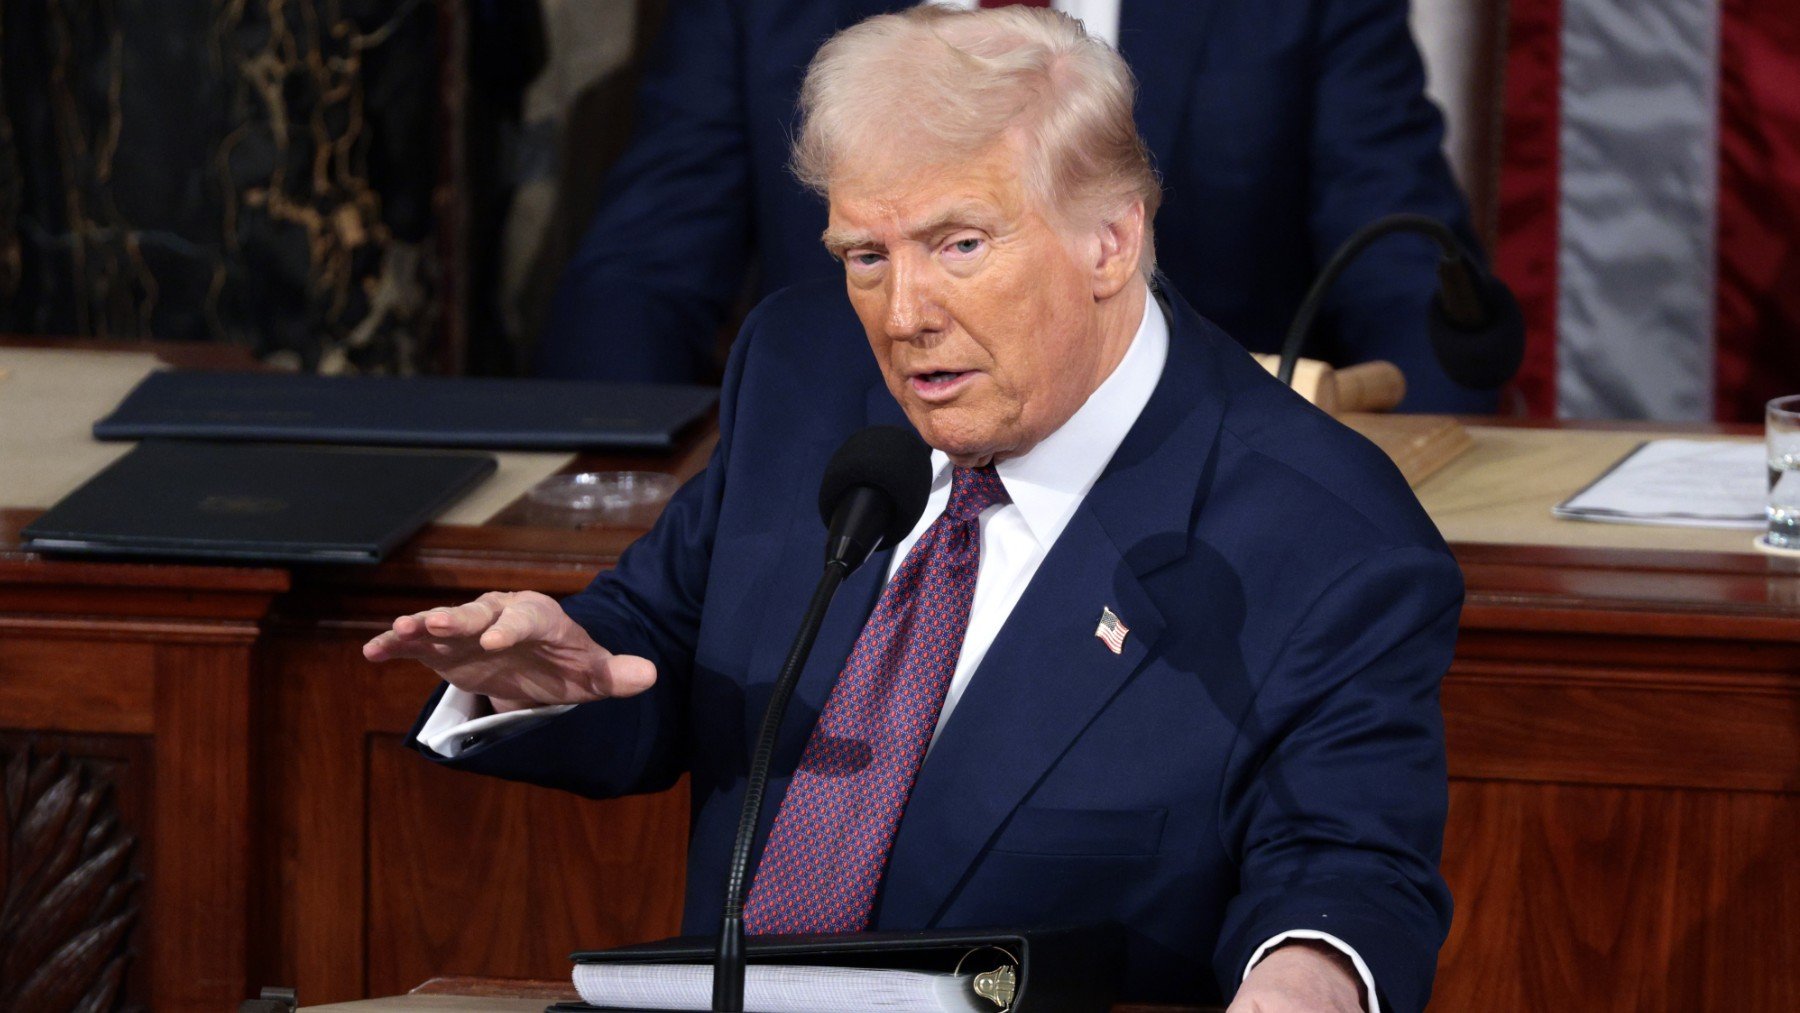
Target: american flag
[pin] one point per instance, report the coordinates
(1649, 212)
(1111, 631)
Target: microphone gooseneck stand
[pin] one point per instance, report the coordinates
(728, 966)
(1466, 301)
(873, 492)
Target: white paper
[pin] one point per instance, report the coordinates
(780, 989)
(1690, 483)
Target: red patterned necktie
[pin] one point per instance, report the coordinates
(830, 842)
(1010, 3)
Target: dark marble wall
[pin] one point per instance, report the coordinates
(262, 172)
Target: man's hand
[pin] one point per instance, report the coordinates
(1301, 976)
(518, 649)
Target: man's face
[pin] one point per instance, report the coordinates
(981, 311)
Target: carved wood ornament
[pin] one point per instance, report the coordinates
(68, 889)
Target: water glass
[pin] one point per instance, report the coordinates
(1783, 436)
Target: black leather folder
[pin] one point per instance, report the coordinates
(409, 411)
(256, 502)
(1058, 970)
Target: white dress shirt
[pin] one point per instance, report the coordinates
(1099, 17)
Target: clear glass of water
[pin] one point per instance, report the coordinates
(1783, 436)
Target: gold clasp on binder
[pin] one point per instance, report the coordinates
(997, 986)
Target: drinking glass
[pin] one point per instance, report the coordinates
(1783, 440)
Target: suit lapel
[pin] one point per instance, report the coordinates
(1047, 675)
(1043, 680)
(1165, 70)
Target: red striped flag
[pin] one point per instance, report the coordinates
(1111, 631)
(1649, 208)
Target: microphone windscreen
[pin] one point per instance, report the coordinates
(1484, 357)
(890, 459)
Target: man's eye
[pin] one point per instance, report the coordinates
(865, 259)
(966, 246)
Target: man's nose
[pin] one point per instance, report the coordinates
(913, 309)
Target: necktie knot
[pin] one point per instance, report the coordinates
(973, 490)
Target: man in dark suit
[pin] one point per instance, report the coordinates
(1162, 651)
(1279, 128)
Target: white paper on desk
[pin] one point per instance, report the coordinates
(1691, 483)
(779, 989)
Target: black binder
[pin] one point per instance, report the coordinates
(1058, 970)
(408, 411)
(254, 502)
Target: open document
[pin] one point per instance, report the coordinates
(1692, 483)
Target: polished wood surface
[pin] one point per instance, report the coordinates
(1623, 725)
(1624, 739)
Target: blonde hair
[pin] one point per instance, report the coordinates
(938, 83)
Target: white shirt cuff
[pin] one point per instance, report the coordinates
(461, 715)
(1368, 977)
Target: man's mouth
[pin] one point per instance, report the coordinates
(938, 384)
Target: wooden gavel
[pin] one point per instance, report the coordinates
(1366, 387)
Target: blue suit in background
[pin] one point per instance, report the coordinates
(1265, 755)
(1279, 127)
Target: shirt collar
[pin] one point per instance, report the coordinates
(1049, 481)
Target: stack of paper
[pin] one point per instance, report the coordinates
(779, 989)
(1692, 483)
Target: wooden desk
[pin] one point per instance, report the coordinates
(1624, 732)
(1624, 741)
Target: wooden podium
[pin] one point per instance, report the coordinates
(1623, 719)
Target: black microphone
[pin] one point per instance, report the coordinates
(872, 494)
(1476, 328)
(1477, 332)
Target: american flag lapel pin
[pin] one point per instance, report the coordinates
(1111, 631)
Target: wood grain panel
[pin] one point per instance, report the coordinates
(102, 592)
(1585, 898)
(1648, 728)
(113, 685)
(200, 883)
(1702, 659)
(475, 876)
(396, 694)
(314, 861)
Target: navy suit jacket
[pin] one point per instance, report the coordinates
(1279, 127)
(1266, 754)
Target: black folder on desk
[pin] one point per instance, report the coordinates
(1056, 970)
(256, 502)
(412, 411)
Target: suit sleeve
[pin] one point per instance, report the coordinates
(663, 259)
(648, 605)
(1334, 798)
(1376, 150)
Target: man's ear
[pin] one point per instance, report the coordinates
(1120, 251)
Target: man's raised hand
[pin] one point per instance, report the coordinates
(517, 648)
